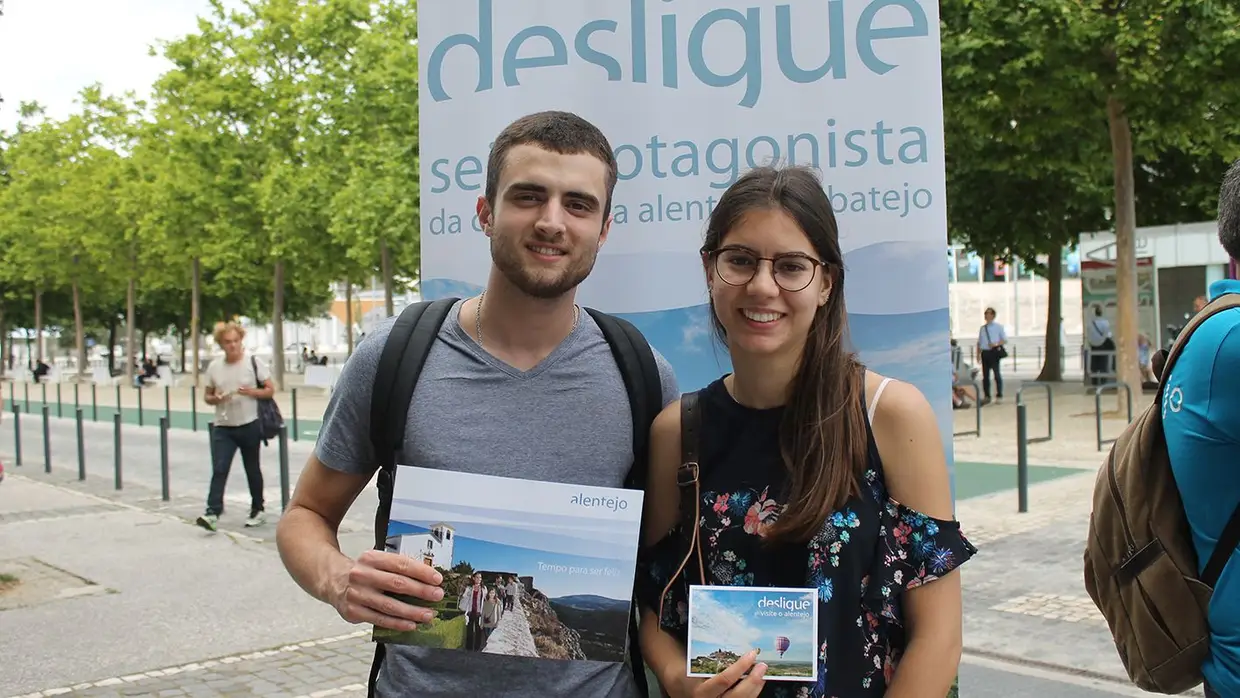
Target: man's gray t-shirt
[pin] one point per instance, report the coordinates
(566, 420)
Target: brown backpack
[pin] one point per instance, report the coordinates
(1140, 564)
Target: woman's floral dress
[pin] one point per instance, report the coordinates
(861, 561)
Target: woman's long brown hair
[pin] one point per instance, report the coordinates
(822, 439)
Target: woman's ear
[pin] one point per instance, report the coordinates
(828, 283)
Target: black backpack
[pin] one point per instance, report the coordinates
(270, 420)
(400, 364)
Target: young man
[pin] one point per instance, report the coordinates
(235, 383)
(1201, 421)
(519, 382)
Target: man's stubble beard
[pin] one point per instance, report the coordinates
(506, 255)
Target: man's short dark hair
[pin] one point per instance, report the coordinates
(558, 131)
(1229, 211)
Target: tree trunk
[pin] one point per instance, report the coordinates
(277, 326)
(183, 340)
(348, 318)
(38, 324)
(1052, 366)
(1126, 367)
(131, 312)
(385, 261)
(144, 332)
(112, 346)
(5, 341)
(79, 330)
(194, 320)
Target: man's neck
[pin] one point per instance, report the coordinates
(513, 321)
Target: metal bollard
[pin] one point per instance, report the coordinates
(81, 445)
(163, 458)
(26, 395)
(1022, 459)
(60, 412)
(94, 403)
(296, 431)
(284, 484)
(116, 449)
(77, 392)
(44, 387)
(193, 407)
(118, 399)
(139, 406)
(47, 441)
(168, 403)
(17, 435)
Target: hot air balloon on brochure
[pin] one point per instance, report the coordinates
(781, 644)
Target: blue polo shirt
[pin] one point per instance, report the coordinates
(1201, 420)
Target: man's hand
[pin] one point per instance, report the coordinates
(730, 683)
(360, 594)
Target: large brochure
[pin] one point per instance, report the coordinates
(531, 569)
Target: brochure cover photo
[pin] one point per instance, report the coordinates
(727, 622)
(531, 569)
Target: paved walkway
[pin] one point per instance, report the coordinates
(218, 616)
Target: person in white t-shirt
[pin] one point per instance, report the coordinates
(234, 385)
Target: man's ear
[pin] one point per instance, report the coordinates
(602, 236)
(486, 217)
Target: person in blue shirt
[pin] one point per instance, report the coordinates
(1201, 421)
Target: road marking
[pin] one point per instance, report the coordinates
(1049, 672)
(199, 666)
(339, 691)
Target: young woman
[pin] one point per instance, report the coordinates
(812, 471)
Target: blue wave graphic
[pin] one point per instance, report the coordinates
(912, 347)
(896, 278)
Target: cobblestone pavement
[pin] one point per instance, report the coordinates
(1024, 601)
(333, 666)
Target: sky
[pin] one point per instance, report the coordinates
(728, 619)
(51, 49)
(555, 574)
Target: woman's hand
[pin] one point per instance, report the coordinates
(730, 683)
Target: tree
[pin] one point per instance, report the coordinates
(1021, 182)
(1156, 76)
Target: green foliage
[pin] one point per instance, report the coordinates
(1025, 92)
(1032, 148)
(284, 136)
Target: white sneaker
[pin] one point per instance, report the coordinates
(255, 520)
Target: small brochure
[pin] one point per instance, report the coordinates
(726, 622)
(531, 569)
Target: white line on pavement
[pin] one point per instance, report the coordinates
(194, 666)
(1064, 676)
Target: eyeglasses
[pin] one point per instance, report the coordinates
(793, 271)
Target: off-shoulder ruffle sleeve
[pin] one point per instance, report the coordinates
(913, 549)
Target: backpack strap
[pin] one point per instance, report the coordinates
(400, 364)
(404, 353)
(640, 373)
(1223, 550)
(641, 378)
(689, 474)
(1230, 536)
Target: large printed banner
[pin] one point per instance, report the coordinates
(691, 93)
